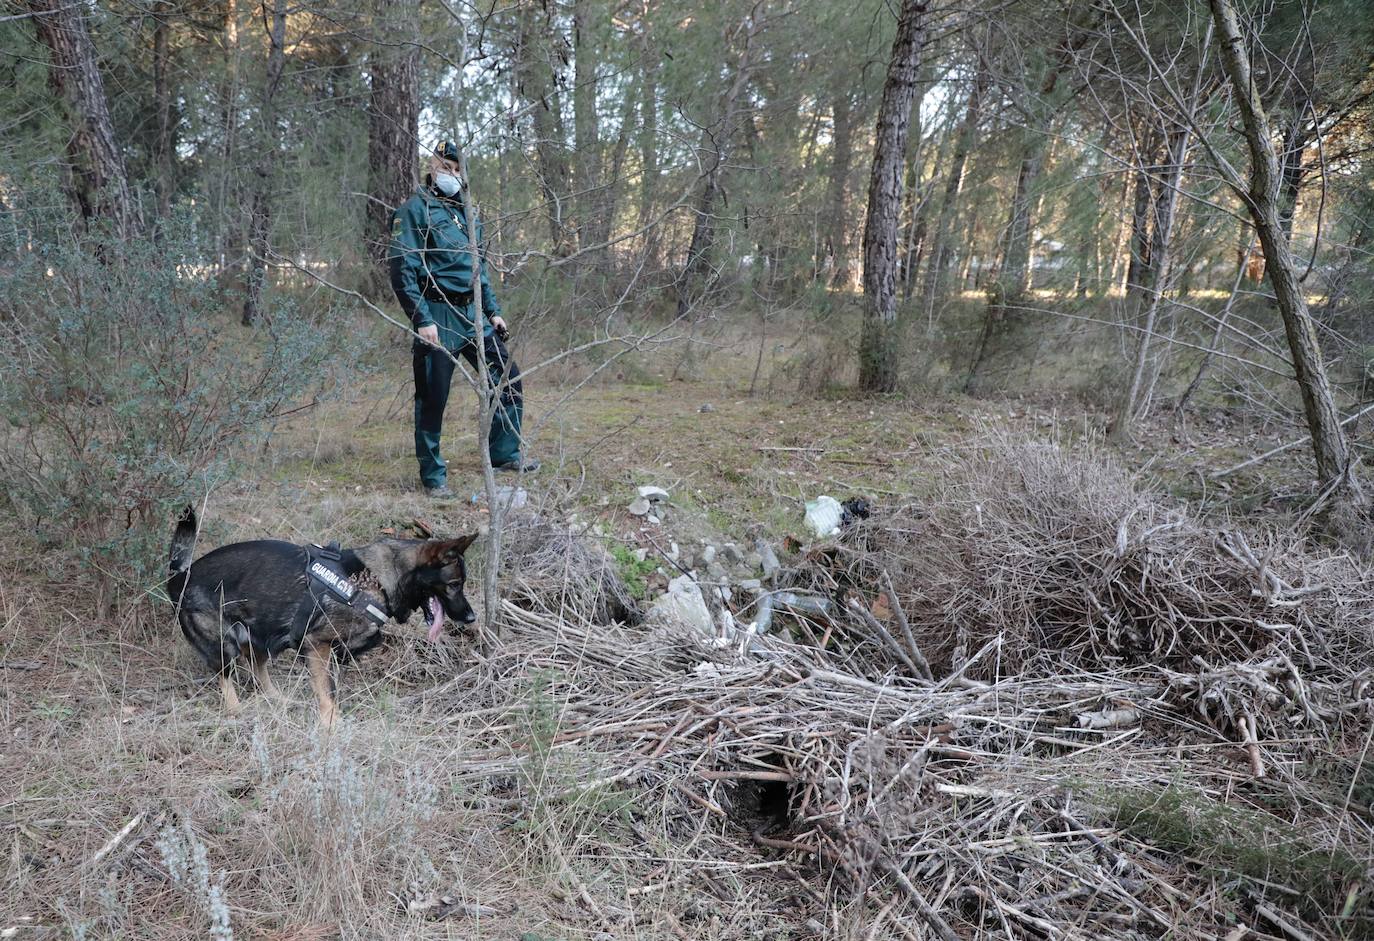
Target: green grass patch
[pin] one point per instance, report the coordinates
(633, 572)
(1252, 844)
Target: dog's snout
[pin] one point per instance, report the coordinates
(469, 615)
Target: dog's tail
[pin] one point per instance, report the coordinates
(183, 543)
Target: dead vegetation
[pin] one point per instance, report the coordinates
(1089, 650)
(1134, 726)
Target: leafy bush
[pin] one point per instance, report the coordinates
(124, 393)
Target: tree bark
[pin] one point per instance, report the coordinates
(268, 146)
(1329, 446)
(878, 344)
(164, 147)
(603, 223)
(538, 68)
(99, 185)
(1156, 281)
(648, 142)
(714, 151)
(841, 160)
(966, 136)
(230, 235)
(393, 122)
(1138, 273)
(1292, 173)
(586, 132)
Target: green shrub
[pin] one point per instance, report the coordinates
(633, 572)
(125, 392)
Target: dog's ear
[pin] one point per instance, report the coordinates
(460, 545)
(440, 552)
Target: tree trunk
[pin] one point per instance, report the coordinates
(715, 143)
(1292, 173)
(603, 223)
(586, 132)
(648, 141)
(842, 156)
(393, 123)
(268, 145)
(879, 340)
(934, 286)
(1015, 270)
(1138, 274)
(536, 63)
(99, 184)
(1329, 445)
(1157, 281)
(164, 147)
(230, 235)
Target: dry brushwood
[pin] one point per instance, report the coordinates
(549, 568)
(1063, 559)
(959, 798)
(1118, 648)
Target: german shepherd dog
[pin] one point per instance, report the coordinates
(259, 598)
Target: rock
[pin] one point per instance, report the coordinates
(640, 507)
(673, 553)
(730, 552)
(707, 407)
(708, 555)
(768, 559)
(641, 554)
(752, 585)
(653, 494)
(716, 572)
(683, 604)
(754, 560)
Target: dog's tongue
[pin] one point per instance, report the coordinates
(436, 623)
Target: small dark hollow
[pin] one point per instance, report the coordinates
(763, 807)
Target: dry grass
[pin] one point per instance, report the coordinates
(584, 779)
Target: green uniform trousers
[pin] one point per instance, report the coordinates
(433, 374)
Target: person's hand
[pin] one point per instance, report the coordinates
(499, 325)
(430, 334)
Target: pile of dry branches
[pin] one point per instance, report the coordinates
(971, 807)
(1122, 748)
(1068, 561)
(549, 567)
(1039, 560)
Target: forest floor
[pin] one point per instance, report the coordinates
(117, 759)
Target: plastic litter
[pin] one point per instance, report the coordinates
(823, 515)
(507, 497)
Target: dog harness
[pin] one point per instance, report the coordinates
(325, 575)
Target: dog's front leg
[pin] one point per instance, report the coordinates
(319, 655)
(232, 706)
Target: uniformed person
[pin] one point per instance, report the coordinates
(431, 272)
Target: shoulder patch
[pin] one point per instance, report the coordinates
(395, 223)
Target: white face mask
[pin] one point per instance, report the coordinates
(446, 183)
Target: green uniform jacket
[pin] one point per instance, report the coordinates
(431, 267)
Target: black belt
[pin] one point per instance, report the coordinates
(445, 297)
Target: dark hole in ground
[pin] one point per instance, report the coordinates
(761, 806)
